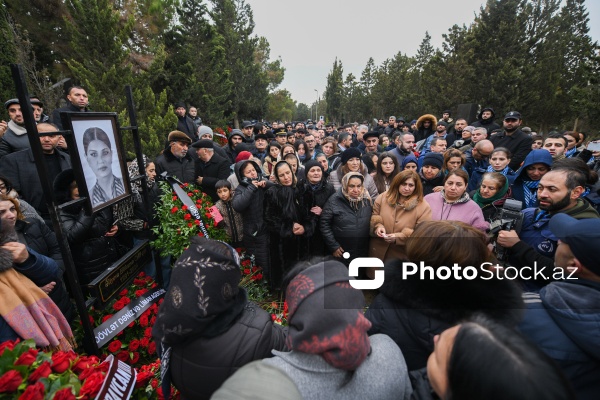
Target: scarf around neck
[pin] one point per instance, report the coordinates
(503, 172)
(530, 193)
(17, 129)
(462, 199)
(31, 313)
(481, 201)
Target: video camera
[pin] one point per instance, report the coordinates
(509, 218)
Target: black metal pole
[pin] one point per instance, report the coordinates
(142, 171)
(89, 342)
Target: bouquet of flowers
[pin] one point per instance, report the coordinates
(133, 345)
(177, 225)
(27, 373)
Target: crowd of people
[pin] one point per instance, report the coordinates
(307, 198)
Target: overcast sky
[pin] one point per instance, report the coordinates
(310, 34)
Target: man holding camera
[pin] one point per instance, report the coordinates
(563, 318)
(559, 191)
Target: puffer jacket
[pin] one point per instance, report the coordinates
(422, 132)
(200, 366)
(343, 226)
(248, 201)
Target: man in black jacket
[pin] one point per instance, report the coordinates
(514, 139)
(78, 102)
(210, 168)
(175, 158)
(485, 119)
(20, 169)
(185, 123)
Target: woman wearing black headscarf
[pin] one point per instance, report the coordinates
(288, 223)
(206, 326)
(314, 192)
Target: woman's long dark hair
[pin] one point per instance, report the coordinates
(379, 177)
(493, 362)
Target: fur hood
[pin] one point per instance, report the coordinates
(426, 117)
(454, 300)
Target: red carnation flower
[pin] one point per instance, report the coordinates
(190, 194)
(115, 346)
(123, 356)
(123, 292)
(148, 333)
(134, 345)
(144, 342)
(187, 217)
(152, 348)
(184, 207)
(106, 317)
(246, 271)
(144, 321)
(174, 210)
(174, 198)
(118, 305)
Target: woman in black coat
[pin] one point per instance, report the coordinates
(248, 201)
(290, 224)
(91, 237)
(345, 219)
(314, 193)
(412, 310)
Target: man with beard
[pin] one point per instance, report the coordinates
(440, 132)
(175, 159)
(515, 140)
(559, 191)
(485, 119)
(405, 143)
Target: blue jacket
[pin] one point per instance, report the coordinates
(477, 175)
(539, 156)
(41, 270)
(563, 320)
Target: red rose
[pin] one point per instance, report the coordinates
(152, 348)
(92, 385)
(208, 216)
(144, 321)
(246, 271)
(197, 222)
(142, 379)
(144, 342)
(126, 300)
(154, 383)
(85, 362)
(174, 210)
(273, 317)
(200, 234)
(115, 346)
(118, 305)
(174, 198)
(148, 333)
(141, 274)
(86, 373)
(61, 361)
(123, 293)
(259, 276)
(140, 293)
(43, 371)
(34, 392)
(123, 356)
(190, 194)
(9, 344)
(184, 207)
(187, 217)
(134, 345)
(196, 191)
(135, 358)
(64, 394)
(132, 324)
(10, 381)
(106, 317)
(27, 358)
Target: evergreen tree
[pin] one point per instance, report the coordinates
(280, 107)
(334, 91)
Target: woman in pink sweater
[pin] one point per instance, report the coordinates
(453, 203)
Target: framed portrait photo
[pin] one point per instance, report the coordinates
(98, 158)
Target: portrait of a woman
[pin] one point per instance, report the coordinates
(99, 156)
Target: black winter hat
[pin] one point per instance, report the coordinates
(433, 159)
(352, 152)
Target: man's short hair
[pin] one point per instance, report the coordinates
(395, 135)
(578, 172)
(556, 135)
(481, 129)
(75, 87)
(435, 140)
(363, 127)
(343, 136)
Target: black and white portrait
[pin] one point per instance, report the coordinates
(100, 160)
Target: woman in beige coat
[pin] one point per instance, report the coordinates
(395, 215)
